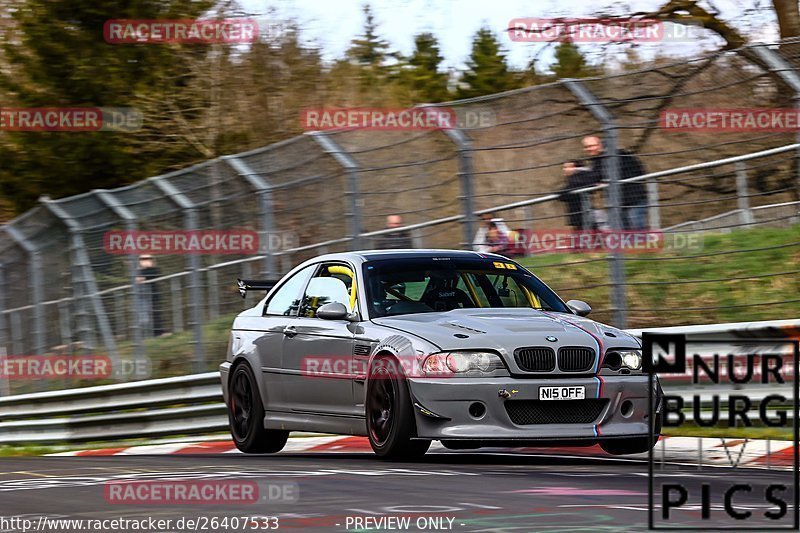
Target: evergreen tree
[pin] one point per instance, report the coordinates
(532, 76)
(570, 62)
(369, 50)
(59, 58)
(421, 76)
(375, 65)
(487, 71)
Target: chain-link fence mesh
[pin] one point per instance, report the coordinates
(61, 291)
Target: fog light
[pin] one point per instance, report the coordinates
(477, 410)
(626, 409)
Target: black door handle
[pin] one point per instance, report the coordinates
(289, 331)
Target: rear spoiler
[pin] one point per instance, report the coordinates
(254, 285)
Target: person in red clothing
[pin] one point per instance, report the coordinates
(496, 240)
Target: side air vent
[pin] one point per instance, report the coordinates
(361, 349)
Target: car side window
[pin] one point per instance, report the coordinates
(332, 283)
(286, 301)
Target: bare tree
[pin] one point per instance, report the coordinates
(692, 12)
(788, 13)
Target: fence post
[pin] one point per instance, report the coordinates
(246, 274)
(3, 306)
(528, 214)
(119, 313)
(742, 195)
(17, 334)
(286, 263)
(177, 303)
(64, 327)
(86, 280)
(654, 211)
(85, 331)
(586, 211)
(129, 219)
(606, 120)
(465, 173)
(190, 224)
(36, 285)
(351, 167)
(5, 386)
(264, 190)
(791, 77)
(213, 294)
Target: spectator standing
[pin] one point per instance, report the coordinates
(150, 296)
(395, 240)
(576, 176)
(599, 216)
(633, 195)
(480, 243)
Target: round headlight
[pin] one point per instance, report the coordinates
(458, 362)
(436, 364)
(464, 363)
(632, 360)
(482, 361)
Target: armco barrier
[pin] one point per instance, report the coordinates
(192, 404)
(160, 407)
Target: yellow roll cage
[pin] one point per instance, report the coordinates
(347, 271)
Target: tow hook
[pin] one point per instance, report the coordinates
(503, 393)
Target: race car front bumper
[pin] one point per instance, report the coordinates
(509, 409)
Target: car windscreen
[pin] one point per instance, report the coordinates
(428, 284)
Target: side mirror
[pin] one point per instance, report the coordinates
(335, 311)
(579, 307)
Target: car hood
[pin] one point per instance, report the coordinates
(507, 329)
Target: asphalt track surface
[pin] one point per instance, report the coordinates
(454, 491)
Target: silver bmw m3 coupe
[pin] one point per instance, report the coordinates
(409, 346)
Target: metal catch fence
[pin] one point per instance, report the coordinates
(61, 291)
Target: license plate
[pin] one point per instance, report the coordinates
(562, 393)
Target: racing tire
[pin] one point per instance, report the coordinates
(246, 415)
(390, 416)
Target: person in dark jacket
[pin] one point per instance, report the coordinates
(633, 195)
(576, 176)
(397, 239)
(150, 295)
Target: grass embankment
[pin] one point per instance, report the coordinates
(724, 284)
(689, 430)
